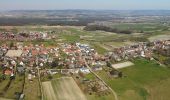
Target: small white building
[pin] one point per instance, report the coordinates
(85, 70)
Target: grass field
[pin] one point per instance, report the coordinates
(32, 89)
(98, 48)
(139, 26)
(160, 37)
(62, 89)
(15, 86)
(141, 81)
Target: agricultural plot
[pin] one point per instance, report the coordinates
(113, 45)
(159, 37)
(48, 91)
(5, 99)
(32, 86)
(122, 65)
(145, 80)
(98, 48)
(138, 26)
(62, 89)
(9, 88)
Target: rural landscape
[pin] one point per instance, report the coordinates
(77, 54)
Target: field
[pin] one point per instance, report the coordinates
(102, 41)
(5, 99)
(122, 65)
(15, 86)
(146, 80)
(160, 37)
(62, 89)
(32, 89)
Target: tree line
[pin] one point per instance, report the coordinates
(106, 28)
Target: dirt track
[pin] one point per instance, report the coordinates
(62, 89)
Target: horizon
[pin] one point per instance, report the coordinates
(8, 5)
(86, 10)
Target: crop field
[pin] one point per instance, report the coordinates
(122, 65)
(77, 34)
(159, 37)
(8, 92)
(145, 80)
(5, 99)
(32, 86)
(139, 26)
(99, 48)
(62, 89)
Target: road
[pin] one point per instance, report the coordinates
(114, 93)
(159, 62)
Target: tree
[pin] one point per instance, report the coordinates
(94, 89)
(167, 62)
(120, 74)
(113, 72)
(108, 64)
(50, 77)
(54, 63)
(11, 45)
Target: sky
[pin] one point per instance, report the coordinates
(85, 4)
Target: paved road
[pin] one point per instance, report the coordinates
(114, 93)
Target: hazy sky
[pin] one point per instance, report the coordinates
(84, 4)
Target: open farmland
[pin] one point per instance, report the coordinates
(62, 89)
(145, 80)
(159, 37)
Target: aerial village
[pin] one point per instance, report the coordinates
(69, 59)
(24, 36)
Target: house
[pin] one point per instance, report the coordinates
(29, 77)
(114, 73)
(65, 71)
(52, 71)
(1, 53)
(8, 72)
(85, 70)
(20, 69)
(97, 68)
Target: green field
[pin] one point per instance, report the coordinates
(146, 27)
(32, 89)
(15, 86)
(73, 33)
(139, 80)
